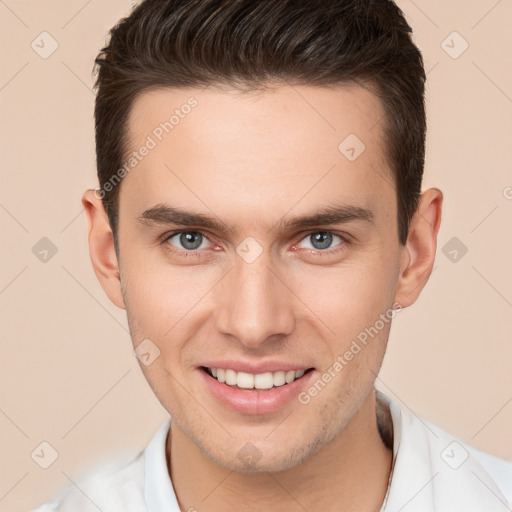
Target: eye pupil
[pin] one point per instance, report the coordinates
(187, 240)
(321, 240)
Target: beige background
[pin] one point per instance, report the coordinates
(68, 376)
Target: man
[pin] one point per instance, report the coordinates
(260, 218)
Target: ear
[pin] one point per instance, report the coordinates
(101, 247)
(419, 252)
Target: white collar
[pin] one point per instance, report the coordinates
(436, 472)
(158, 491)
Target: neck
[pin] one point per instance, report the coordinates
(355, 466)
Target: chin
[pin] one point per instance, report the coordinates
(263, 465)
(249, 459)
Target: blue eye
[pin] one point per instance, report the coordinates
(321, 240)
(189, 240)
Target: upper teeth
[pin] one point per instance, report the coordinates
(259, 381)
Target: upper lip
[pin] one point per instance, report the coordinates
(256, 367)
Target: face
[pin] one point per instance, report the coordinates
(254, 288)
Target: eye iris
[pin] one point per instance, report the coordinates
(187, 240)
(321, 240)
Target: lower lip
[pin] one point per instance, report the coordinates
(253, 401)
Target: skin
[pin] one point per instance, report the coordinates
(253, 159)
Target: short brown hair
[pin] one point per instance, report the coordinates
(248, 43)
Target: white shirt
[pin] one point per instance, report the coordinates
(432, 472)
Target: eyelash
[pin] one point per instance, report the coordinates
(315, 252)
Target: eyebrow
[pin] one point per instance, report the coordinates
(163, 214)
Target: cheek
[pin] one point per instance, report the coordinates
(160, 297)
(350, 297)
(166, 305)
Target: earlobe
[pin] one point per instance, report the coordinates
(418, 254)
(101, 247)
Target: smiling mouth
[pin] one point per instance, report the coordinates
(260, 381)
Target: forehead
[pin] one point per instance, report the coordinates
(291, 145)
(292, 112)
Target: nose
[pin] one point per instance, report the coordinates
(256, 304)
